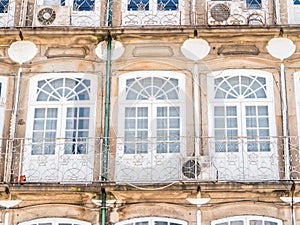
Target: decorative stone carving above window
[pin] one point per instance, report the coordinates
(238, 50)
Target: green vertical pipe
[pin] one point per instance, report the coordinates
(106, 115)
(107, 109)
(103, 207)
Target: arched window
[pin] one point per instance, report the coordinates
(61, 119)
(242, 122)
(152, 221)
(247, 220)
(151, 121)
(55, 221)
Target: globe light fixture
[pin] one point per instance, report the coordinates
(22, 51)
(281, 48)
(195, 49)
(116, 51)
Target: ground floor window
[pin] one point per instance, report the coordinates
(55, 221)
(247, 220)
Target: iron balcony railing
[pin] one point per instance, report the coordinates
(136, 13)
(251, 159)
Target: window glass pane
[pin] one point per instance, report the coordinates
(138, 5)
(231, 111)
(167, 5)
(219, 111)
(130, 111)
(256, 222)
(270, 223)
(142, 223)
(84, 112)
(263, 110)
(240, 222)
(231, 122)
(174, 123)
(296, 2)
(174, 111)
(160, 223)
(3, 6)
(263, 122)
(83, 5)
(129, 123)
(39, 113)
(253, 4)
(162, 111)
(219, 123)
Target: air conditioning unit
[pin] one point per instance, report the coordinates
(52, 16)
(198, 168)
(226, 13)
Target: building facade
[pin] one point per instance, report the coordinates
(149, 112)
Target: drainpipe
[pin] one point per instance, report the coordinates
(285, 126)
(107, 109)
(12, 128)
(103, 207)
(197, 119)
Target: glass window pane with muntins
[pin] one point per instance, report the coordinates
(77, 127)
(166, 5)
(4, 6)
(151, 88)
(226, 125)
(253, 4)
(44, 131)
(83, 5)
(168, 129)
(257, 128)
(241, 222)
(240, 86)
(74, 89)
(138, 5)
(136, 130)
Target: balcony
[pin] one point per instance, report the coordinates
(65, 161)
(137, 13)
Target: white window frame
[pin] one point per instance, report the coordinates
(42, 165)
(133, 167)
(293, 12)
(246, 219)
(3, 95)
(123, 103)
(151, 221)
(33, 104)
(249, 102)
(55, 221)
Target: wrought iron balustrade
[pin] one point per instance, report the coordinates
(136, 13)
(251, 159)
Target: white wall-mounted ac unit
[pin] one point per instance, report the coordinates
(52, 16)
(233, 12)
(226, 13)
(198, 168)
